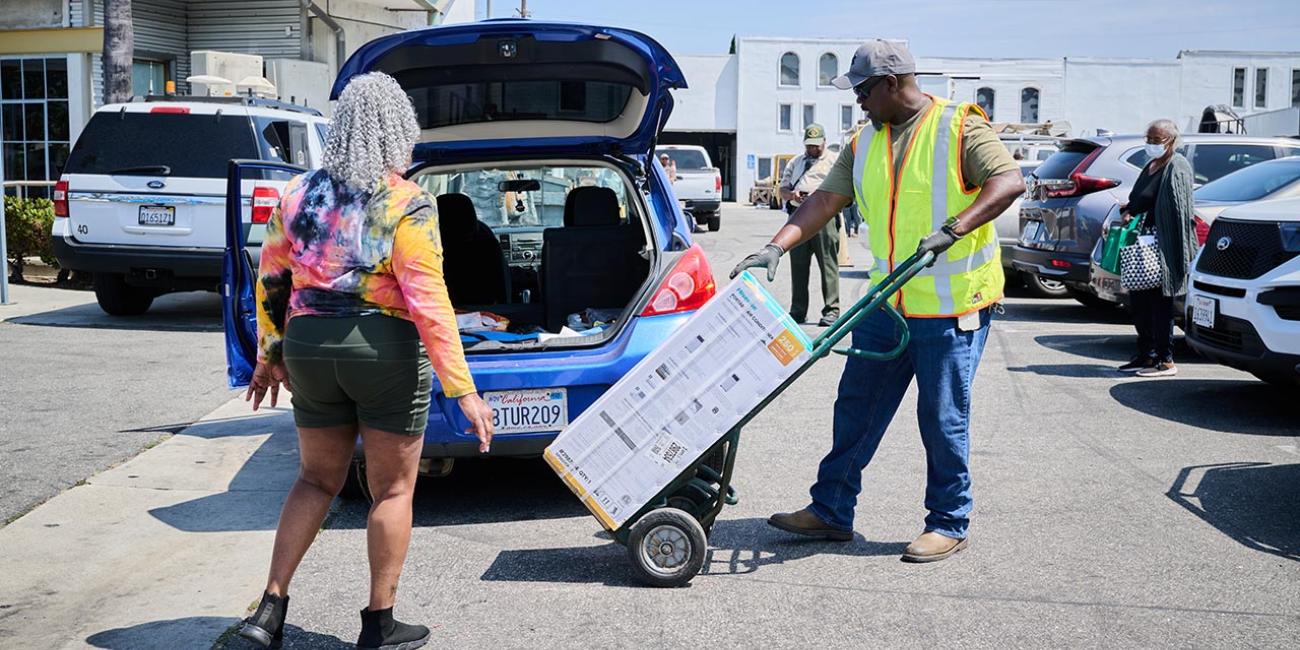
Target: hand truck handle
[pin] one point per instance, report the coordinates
(877, 298)
(903, 340)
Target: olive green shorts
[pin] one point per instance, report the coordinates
(350, 369)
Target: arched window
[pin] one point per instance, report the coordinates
(789, 69)
(985, 98)
(828, 67)
(1029, 106)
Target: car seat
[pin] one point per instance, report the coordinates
(472, 262)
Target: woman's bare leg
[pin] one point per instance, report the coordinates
(392, 463)
(325, 456)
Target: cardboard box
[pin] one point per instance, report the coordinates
(678, 401)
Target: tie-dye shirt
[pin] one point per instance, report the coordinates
(333, 251)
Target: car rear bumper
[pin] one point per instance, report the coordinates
(1040, 263)
(702, 205)
(142, 264)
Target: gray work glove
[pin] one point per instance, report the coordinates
(938, 241)
(767, 258)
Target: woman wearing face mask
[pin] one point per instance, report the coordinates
(1162, 196)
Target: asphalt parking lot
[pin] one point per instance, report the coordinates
(1109, 511)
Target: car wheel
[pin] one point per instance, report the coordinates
(1041, 287)
(117, 298)
(1089, 300)
(355, 486)
(715, 222)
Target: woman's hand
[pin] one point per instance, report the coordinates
(480, 420)
(267, 376)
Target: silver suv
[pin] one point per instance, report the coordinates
(1070, 196)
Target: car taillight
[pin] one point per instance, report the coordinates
(717, 181)
(688, 286)
(60, 198)
(1078, 185)
(1202, 229)
(264, 201)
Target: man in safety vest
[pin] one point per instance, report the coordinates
(929, 174)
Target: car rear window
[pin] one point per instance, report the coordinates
(685, 158)
(1214, 161)
(496, 101)
(1252, 183)
(139, 143)
(1062, 163)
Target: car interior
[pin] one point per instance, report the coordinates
(539, 253)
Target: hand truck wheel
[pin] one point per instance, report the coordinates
(667, 547)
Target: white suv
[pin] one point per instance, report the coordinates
(1243, 308)
(141, 202)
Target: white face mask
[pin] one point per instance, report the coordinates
(1155, 150)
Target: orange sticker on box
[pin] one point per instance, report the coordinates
(785, 347)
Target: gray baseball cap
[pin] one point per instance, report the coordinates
(874, 59)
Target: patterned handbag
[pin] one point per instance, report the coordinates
(1139, 264)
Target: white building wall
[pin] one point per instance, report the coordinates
(709, 101)
(1207, 79)
(1122, 96)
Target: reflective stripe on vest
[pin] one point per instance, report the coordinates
(969, 276)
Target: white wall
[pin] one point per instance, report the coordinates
(1120, 95)
(709, 101)
(361, 23)
(1207, 79)
(462, 11)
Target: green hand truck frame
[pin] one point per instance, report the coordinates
(667, 539)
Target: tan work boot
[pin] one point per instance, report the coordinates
(804, 522)
(932, 547)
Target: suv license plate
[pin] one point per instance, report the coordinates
(1032, 230)
(517, 411)
(1204, 310)
(157, 215)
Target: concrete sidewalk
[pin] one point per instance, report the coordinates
(162, 551)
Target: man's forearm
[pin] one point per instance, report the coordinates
(998, 193)
(813, 214)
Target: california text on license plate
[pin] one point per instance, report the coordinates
(1203, 311)
(515, 411)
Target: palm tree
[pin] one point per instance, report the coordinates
(119, 49)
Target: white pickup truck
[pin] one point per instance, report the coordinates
(698, 184)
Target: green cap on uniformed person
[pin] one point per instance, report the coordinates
(814, 134)
(876, 58)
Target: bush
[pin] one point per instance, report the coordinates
(27, 231)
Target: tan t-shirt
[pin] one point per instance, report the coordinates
(982, 155)
(811, 179)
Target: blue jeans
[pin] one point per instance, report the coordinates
(943, 359)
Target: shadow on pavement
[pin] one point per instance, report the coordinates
(195, 311)
(199, 632)
(1048, 310)
(736, 547)
(1247, 406)
(1076, 370)
(1113, 348)
(1256, 504)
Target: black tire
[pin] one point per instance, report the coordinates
(355, 486)
(1041, 287)
(1089, 300)
(667, 548)
(117, 298)
(715, 222)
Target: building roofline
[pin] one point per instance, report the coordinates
(1239, 52)
(811, 39)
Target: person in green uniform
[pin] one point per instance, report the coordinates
(802, 177)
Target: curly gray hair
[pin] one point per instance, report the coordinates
(372, 131)
(1170, 129)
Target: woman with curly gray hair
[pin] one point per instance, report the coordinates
(352, 314)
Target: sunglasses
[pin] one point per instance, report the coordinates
(863, 90)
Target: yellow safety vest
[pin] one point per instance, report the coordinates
(900, 212)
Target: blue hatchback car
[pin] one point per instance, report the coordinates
(566, 253)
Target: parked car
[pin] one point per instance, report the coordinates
(1008, 228)
(699, 183)
(1071, 195)
(598, 228)
(140, 201)
(1273, 179)
(1243, 307)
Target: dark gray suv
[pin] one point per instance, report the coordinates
(1072, 193)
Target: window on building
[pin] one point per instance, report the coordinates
(34, 128)
(1029, 106)
(1295, 87)
(1261, 87)
(789, 69)
(785, 115)
(809, 114)
(148, 77)
(764, 167)
(846, 118)
(985, 97)
(828, 67)
(1239, 87)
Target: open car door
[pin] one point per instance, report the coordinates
(238, 309)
